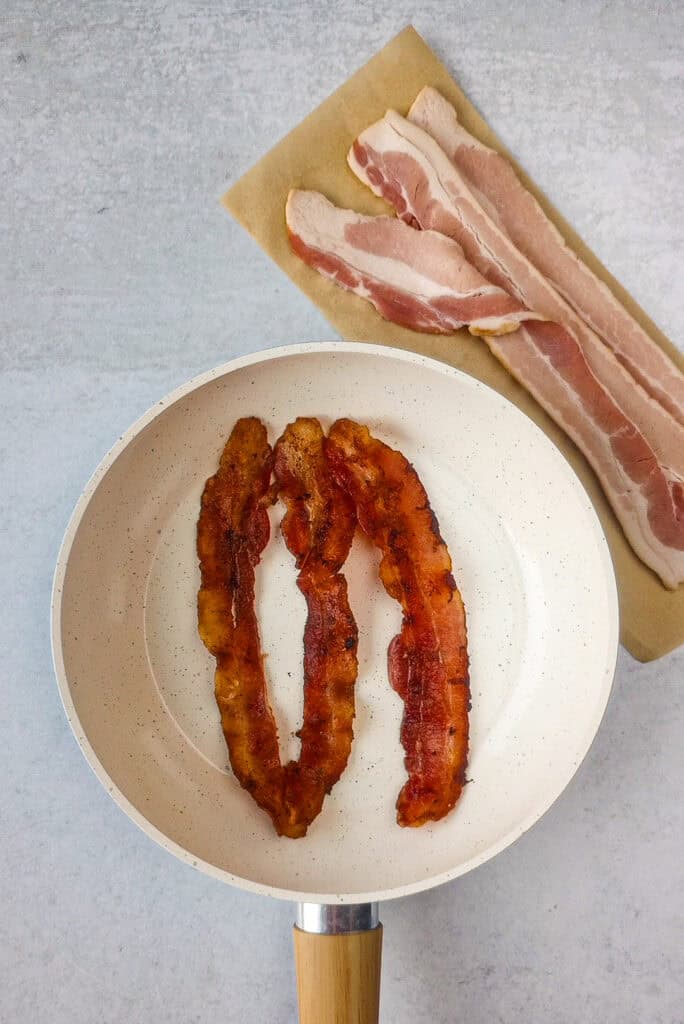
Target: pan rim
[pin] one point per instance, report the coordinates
(186, 856)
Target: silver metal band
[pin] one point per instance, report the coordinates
(330, 919)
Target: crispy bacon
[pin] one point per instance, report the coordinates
(318, 528)
(232, 531)
(428, 660)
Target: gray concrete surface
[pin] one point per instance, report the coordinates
(121, 123)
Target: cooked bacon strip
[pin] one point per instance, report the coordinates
(418, 279)
(232, 531)
(502, 194)
(428, 660)
(641, 460)
(318, 528)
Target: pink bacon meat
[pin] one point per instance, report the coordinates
(416, 278)
(498, 189)
(635, 447)
(402, 163)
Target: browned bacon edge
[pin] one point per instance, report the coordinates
(233, 530)
(428, 660)
(318, 528)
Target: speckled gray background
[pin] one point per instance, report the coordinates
(121, 123)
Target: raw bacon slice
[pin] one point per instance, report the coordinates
(428, 660)
(502, 194)
(232, 531)
(547, 361)
(402, 163)
(318, 528)
(399, 161)
(418, 279)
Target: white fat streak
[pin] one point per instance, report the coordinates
(321, 225)
(624, 335)
(662, 431)
(493, 326)
(627, 499)
(412, 137)
(435, 115)
(396, 134)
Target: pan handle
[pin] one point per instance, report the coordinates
(337, 955)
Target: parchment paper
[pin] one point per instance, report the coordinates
(313, 156)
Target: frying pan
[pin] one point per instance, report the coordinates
(137, 684)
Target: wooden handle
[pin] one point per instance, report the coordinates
(338, 977)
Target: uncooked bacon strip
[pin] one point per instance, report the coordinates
(318, 528)
(428, 660)
(232, 531)
(633, 444)
(402, 163)
(547, 361)
(503, 195)
(419, 279)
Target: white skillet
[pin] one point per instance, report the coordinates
(137, 685)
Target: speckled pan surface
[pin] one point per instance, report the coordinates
(529, 557)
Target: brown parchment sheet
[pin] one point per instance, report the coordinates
(313, 156)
